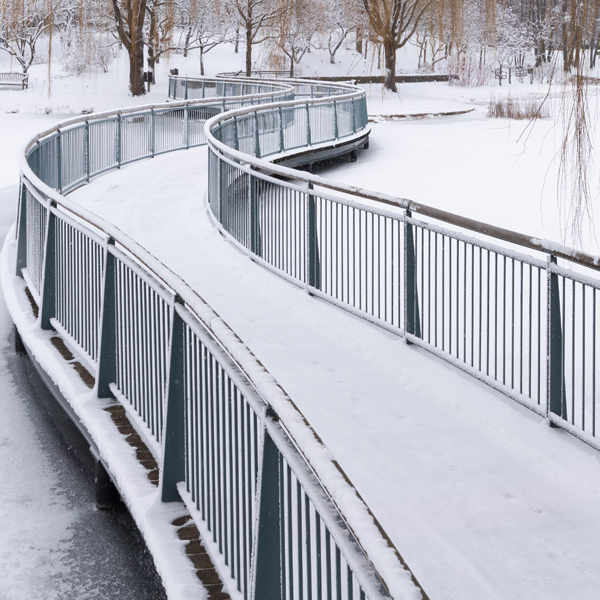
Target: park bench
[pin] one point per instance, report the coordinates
(20, 80)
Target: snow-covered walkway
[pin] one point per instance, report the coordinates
(482, 499)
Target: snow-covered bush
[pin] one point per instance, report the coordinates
(509, 107)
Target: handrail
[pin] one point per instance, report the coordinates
(520, 322)
(115, 287)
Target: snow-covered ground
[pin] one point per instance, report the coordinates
(482, 499)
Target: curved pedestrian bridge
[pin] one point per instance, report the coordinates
(322, 440)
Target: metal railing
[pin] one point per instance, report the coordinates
(515, 312)
(254, 473)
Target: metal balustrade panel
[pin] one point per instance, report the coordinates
(136, 137)
(361, 259)
(143, 320)
(222, 454)
(484, 309)
(73, 150)
(580, 349)
(312, 563)
(170, 130)
(37, 223)
(79, 279)
(295, 127)
(103, 145)
(280, 237)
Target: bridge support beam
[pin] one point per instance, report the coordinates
(107, 496)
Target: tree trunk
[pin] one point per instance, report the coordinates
(201, 61)
(359, 42)
(136, 68)
(237, 40)
(248, 51)
(390, 66)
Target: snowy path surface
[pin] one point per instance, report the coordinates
(482, 499)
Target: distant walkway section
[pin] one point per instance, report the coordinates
(482, 499)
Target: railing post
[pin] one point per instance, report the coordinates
(107, 353)
(353, 117)
(203, 86)
(412, 322)
(87, 151)
(314, 261)
(221, 191)
(556, 377)
(267, 562)
(281, 137)
(236, 139)
(308, 136)
(48, 309)
(22, 231)
(256, 136)
(59, 161)
(173, 467)
(152, 132)
(186, 90)
(118, 148)
(336, 131)
(255, 240)
(186, 115)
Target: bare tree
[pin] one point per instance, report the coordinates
(203, 26)
(22, 23)
(255, 17)
(393, 22)
(130, 16)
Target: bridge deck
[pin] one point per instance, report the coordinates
(481, 498)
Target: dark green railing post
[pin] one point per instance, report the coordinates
(412, 322)
(22, 231)
(255, 238)
(267, 563)
(256, 136)
(59, 161)
(557, 403)
(48, 310)
(173, 467)
(336, 128)
(152, 132)
(107, 353)
(281, 136)
(236, 138)
(187, 125)
(314, 260)
(87, 151)
(118, 140)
